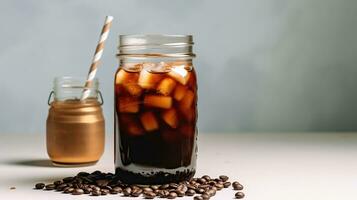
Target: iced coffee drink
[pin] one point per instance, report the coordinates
(155, 119)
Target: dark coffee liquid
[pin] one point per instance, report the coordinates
(155, 125)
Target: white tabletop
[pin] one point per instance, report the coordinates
(270, 166)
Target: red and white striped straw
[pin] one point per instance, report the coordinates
(97, 55)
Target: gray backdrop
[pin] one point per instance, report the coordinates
(269, 65)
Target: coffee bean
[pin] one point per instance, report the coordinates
(87, 190)
(173, 185)
(61, 187)
(162, 193)
(219, 186)
(200, 190)
(205, 196)
(154, 187)
(39, 186)
(58, 182)
(102, 182)
(67, 179)
(96, 193)
(149, 195)
(136, 193)
(147, 189)
(82, 174)
(224, 178)
(50, 187)
(77, 191)
(182, 188)
(172, 195)
(163, 187)
(104, 191)
(117, 189)
(127, 191)
(68, 190)
(239, 195)
(237, 186)
(201, 180)
(190, 192)
(180, 193)
(197, 198)
(226, 184)
(211, 192)
(206, 177)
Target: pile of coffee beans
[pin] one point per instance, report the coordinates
(99, 183)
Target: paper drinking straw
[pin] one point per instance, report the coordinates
(97, 55)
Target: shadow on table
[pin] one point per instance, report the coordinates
(32, 162)
(44, 163)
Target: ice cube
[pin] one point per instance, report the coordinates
(148, 80)
(132, 67)
(149, 122)
(187, 100)
(179, 92)
(170, 117)
(128, 104)
(166, 86)
(133, 89)
(180, 74)
(126, 77)
(158, 101)
(160, 67)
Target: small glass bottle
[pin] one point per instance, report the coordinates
(155, 109)
(75, 129)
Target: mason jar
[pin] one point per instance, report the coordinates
(75, 128)
(155, 109)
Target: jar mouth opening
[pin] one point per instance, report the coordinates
(139, 46)
(74, 82)
(154, 39)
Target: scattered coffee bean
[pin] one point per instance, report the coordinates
(117, 189)
(100, 183)
(147, 189)
(197, 198)
(39, 186)
(205, 196)
(163, 187)
(96, 193)
(77, 191)
(190, 192)
(172, 195)
(127, 191)
(67, 179)
(224, 178)
(219, 186)
(104, 191)
(50, 187)
(206, 177)
(149, 195)
(239, 195)
(87, 190)
(226, 184)
(58, 182)
(68, 190)
(237, 186)
(61, 187)
(154, 187)
(12, 188)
